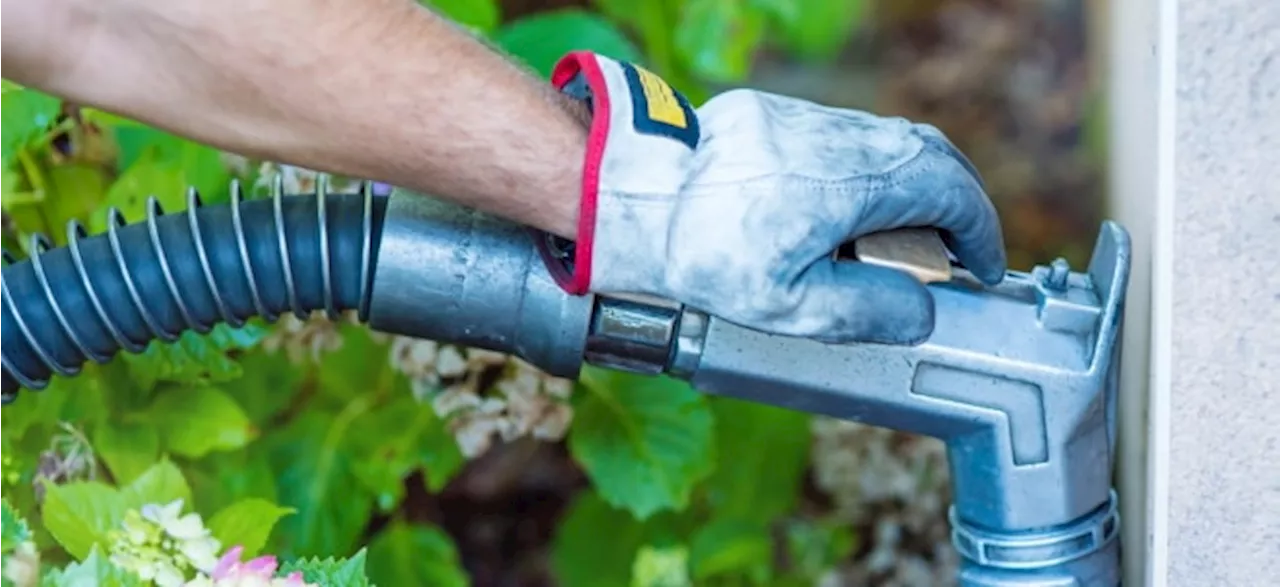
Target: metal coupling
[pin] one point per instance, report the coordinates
(632, 333)
(645, 335)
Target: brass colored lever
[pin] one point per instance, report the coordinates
(918, 251)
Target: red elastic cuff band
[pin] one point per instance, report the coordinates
(566, 70)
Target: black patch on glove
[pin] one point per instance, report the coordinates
(658, 109)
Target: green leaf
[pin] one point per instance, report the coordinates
(440, 456)
(542, 39)
(79, 515)
(162, 483)
(480, 15)
(403, 554)
(103, 118)
(644, 441)
(655, 22)
(784, 12)
(93, 571)
(665, 566)
(314, 465)
(26, 114)
(148, 176)
(728, 547)
(223, 478)
(595, 545)
(194, 358)
(73, 191)
(247, 523)
(38, 410)
(191, 163)
(195, 421)
(358, 369)
(390, 440)
(761, 455)
(13, 529)
(719, 38)
(331, 572)
(814, 546)
(267, 386)
(818, 30)
(128, 450)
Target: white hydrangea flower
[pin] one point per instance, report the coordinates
(524, 402)
(303, 339)
(22, 567)
(193, 540)
(450, 362)
(159, 543)
(415, 357)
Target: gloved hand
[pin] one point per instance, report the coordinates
(736, 208)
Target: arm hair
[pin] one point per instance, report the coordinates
(378, 89)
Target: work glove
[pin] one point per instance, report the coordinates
(736, 208)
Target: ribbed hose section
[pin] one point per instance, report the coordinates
(187, 271)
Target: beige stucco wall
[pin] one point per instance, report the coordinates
(1194, 90)
(1224, 384)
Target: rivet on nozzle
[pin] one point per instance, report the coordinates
(1056, 278)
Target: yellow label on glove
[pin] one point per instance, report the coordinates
(663, 106)
(657, 109)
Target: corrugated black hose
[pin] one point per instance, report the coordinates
(157, 278)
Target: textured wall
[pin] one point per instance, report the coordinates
(1224, 445)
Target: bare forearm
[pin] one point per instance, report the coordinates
(381, 89)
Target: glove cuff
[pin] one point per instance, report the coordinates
(640, 141)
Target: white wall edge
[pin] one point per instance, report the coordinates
(1162, 299)
(1135, 44)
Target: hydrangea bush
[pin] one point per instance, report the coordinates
(279, 454)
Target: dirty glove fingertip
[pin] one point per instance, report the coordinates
(869, 303)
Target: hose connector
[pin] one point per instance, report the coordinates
(456, 275)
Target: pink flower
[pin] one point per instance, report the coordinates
(230, 568)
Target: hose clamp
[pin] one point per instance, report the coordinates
(1037, 549)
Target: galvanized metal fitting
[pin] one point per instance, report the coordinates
(632, 333)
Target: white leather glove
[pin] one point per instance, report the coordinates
(737, 207)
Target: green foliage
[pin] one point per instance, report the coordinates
(194, 358)
(94, 570)
(248, 523)
(645, 442)
(312, 461)
(543, 39)
(405, 554)
(332, 571)
(26, 113)
(701, 45)
(80, 515)
(816, 29)
(762, 458)
(13, 529)
(481, 16)
(665, 566)
(718, 38)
